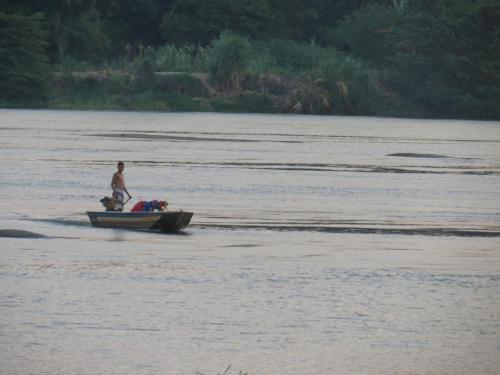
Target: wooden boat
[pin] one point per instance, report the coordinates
(171, 221)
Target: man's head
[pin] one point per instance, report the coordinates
(121, 166)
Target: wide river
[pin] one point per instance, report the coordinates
(319, 245)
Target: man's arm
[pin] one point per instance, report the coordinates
(126, 191)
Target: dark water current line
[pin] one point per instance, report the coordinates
(312, 167)
(446, 232)
(141, 136)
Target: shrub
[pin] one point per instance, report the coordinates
(309, 96)
(188, 58)
(286, 57)
(228, 61)
(353, 86)
(266, 83)
(181, 84)
(245, 103)
(255, 103)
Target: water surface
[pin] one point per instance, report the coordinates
(319, 245)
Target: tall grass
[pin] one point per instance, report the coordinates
(127, 92)
(285, 57)
(320, 80)
(229, 59)
(180, 59)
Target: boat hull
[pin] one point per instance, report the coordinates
(163, 221)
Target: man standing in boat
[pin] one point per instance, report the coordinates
(118, 186)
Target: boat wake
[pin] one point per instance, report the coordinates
(415, 231)
(61, 221)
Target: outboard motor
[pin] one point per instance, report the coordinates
(108, 203)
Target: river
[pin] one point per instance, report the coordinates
(318, 245)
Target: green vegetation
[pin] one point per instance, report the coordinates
(115, 90)
(420, 58)
(442, 56)
(22, 60)
(228, 61)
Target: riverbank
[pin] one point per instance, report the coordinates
(176, 91)
(159, 91)
(234, 74)
(111, 89)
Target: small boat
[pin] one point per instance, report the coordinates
(171, 221)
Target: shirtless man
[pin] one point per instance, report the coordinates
(118, 186)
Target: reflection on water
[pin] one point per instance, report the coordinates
(319, 245)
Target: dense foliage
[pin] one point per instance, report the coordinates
(22, 58)
(443, 56)
(438, 58)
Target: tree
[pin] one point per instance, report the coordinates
(199, 22)
(134, 22)
(440, 55)
(293, 19)
(369, 32)
(451, 51)
(23, 67)
(75, 26)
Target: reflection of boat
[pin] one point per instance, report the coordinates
(170, 221)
